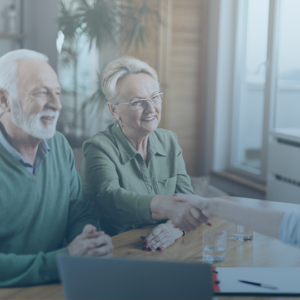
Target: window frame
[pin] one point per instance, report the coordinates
(270, 92)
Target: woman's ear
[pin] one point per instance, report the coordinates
(4, 106)
(113, 110)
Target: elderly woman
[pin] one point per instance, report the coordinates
(131, 170)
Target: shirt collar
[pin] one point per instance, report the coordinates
(44, 148)
(127, 152)
(42, 152)
(155, 145)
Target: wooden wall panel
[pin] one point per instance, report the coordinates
(188, 79)
(179, 55)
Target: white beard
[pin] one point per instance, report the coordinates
(32, 124)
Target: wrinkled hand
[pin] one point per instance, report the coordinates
(199, 205)
(91, 243)
(161, 237)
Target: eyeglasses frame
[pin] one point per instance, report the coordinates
(146, 99)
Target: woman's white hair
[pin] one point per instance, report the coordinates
(9, 66)
(121, 68)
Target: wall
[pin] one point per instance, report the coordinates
(179, 54)
(40, 26)
(6, 44)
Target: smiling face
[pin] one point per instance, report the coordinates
(37, 108)
(137, 123)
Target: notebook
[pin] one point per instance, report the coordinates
(286, 280)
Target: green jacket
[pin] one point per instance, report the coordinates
(37, 212)
(120, 184)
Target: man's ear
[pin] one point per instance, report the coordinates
(4, 106)
(113, 110)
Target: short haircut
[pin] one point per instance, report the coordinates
(121, 68)
(9, 66)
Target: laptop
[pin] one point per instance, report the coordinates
(116, 278)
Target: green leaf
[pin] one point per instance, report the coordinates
(99, 19)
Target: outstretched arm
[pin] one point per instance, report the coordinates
(261, 220)
(128, 207)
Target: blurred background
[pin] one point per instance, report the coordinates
(229, 70)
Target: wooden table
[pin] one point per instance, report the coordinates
(261, 252)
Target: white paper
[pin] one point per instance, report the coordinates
(287, 280)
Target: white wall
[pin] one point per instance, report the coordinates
(220, 83)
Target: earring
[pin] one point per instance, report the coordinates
(118, 125)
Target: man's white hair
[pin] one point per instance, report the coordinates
(121, 68)
(9, 66)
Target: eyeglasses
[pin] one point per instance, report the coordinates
(142, 103)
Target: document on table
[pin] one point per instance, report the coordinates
(286, 280)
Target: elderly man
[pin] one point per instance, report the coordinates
(41, 199)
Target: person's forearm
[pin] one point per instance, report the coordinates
(160, 206)
(261, 220)
(125, 207)
(30, 269)
(80, 214)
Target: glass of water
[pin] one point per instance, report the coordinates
(214, 245)
(240, 233)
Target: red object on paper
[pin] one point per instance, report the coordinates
(215, 281)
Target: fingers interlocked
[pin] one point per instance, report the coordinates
(91, 243)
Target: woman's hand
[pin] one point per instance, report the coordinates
(198, 204)
(161, 236)
(180, 212)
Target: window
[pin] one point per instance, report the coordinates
(77, 69)
(266, 92)
(287, 111)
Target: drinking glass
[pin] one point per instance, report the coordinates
(214, 245)
(240, 233)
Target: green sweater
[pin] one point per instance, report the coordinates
(117, 179)
(37, 212)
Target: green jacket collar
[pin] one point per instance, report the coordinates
(127, 152)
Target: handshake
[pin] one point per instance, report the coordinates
(187, 212)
